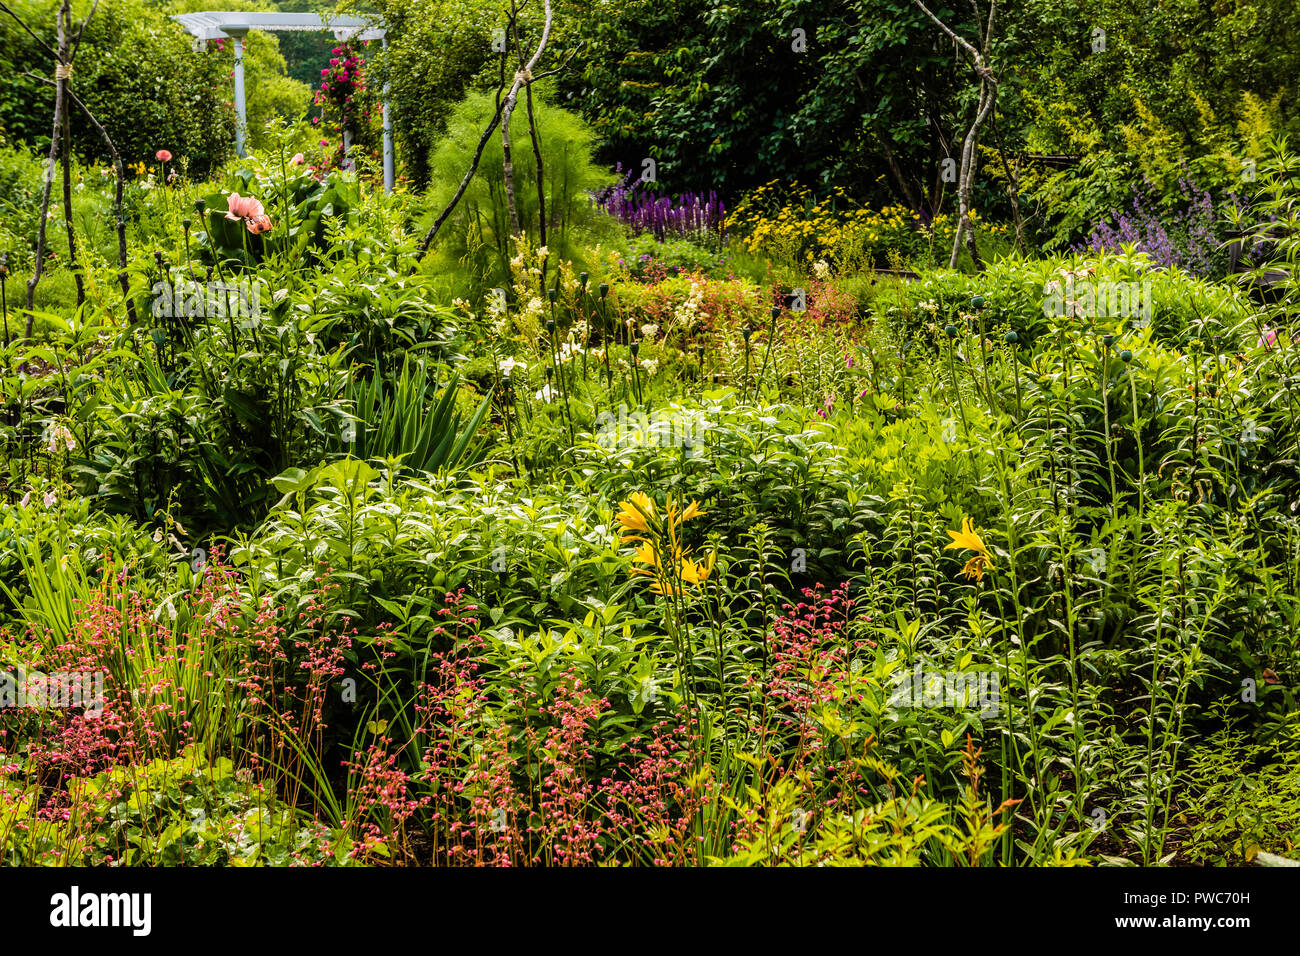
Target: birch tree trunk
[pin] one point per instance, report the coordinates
(525, 75)
(988, 94)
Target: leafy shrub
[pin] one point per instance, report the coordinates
(648, 259)
(477, 237)
(188, 811)
(305, 203)
(1242, 797)
(168, 98)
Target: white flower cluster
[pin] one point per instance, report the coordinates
(692, 309)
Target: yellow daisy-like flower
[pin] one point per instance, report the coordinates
(969, 539)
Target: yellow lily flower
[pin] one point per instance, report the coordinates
(668, 588)
(692, 511)
(637, 512)
(694, 573)
(646, 554)
(969, 539)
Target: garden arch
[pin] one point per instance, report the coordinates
(235, 25)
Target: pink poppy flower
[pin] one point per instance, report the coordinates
(297, 160)
(1268, 339)
(249, 210)
(163, 156)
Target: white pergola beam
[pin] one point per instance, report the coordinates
(208, 24)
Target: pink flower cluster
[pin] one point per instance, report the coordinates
(514, 777)
(250, 211)
(342, 79)
(812, 658)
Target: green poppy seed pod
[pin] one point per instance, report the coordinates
(1108, 340)
(185, 224)
(747, 333)
(604, 289)
(550, 325)
(582, 280)
(200, 206)
(1126, 356)
(977, 302)
(636, 347)
(776, 310)
(552, 294)
(951, 330)
(1011, 338)
(549, 372)
(700, 351)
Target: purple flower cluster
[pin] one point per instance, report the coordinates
(1187, 235)
(691, 215)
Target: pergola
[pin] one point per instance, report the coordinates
(235, 25)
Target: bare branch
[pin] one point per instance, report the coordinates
(464, 184)
(76, 41)
(45, 46)
(965, 44)
(120, 177)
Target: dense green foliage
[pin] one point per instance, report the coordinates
(757, 539)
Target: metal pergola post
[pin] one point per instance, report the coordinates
(237, 32)
(235, 26)
(388, 136)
